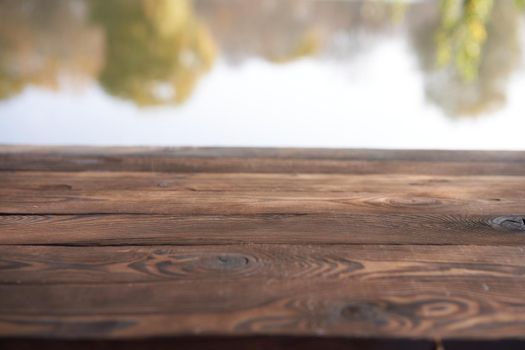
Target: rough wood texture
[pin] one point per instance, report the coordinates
(232, 160)
(239, 343)
(230, 194)
(360, 291)
(261, 248)
(97, 229)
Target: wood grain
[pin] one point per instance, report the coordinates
(260, 343)
(261, 248)
(237, 343)
(253, 160)
(231, 194)
(145, 229)
(391, 291)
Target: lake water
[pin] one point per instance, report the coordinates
(297, 73)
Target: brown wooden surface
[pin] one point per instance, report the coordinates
(246, 160)
(261, 247)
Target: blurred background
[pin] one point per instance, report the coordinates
(442, 74)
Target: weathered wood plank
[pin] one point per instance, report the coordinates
(238, 343)
(231, 194)
(353, 291)
(250, 203)
(262, 160)
(282, 152)
(43, 265)
(261, 182)
(260, 343)
(273, 228)
(262, 242)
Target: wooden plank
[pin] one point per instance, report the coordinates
(282, 152)
(260, 343)
(423, 292)
(272, 228)
(43, 265)
(232, 194)
(261, 182)
(235, 343)
(262, 160)
(277, 245)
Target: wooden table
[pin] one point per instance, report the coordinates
(261, 248)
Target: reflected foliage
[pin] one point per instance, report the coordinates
(308, 44)
(45, 42)
(462, 35)
(475, 79)
(156, 49)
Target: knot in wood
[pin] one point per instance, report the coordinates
(508, 223)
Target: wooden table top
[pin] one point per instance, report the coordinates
(261, 248)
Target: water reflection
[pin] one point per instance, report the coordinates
(466, 72)
(157, 52)
(45, 42)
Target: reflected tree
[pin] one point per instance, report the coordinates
(283, 31)
(462, 35)
(156, 49)
(307, 44)
(278, 31)
(476, 49)
(46, 43)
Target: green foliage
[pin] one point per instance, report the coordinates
(156, 49)
(500, 56)
(462, 35)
